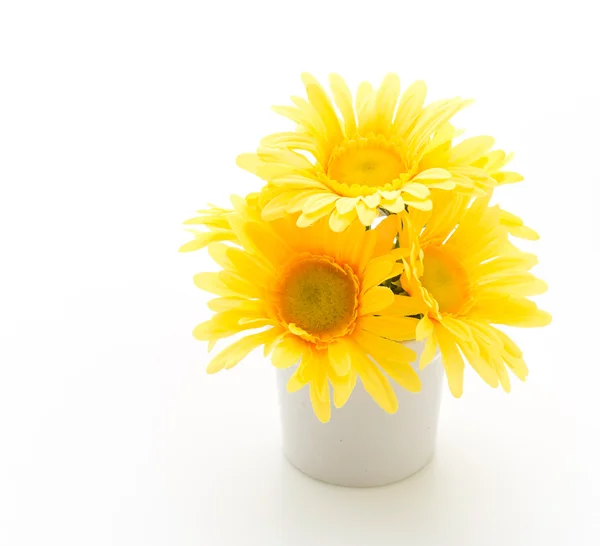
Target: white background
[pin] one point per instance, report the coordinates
(117, 120)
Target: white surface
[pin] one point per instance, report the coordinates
(361, 445)
(117, 121)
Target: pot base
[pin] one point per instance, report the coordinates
(362, 484)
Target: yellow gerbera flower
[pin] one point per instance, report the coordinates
(468, 276)
(316, 297)
(382, 151)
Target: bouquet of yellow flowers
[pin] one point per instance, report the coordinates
(373, 227)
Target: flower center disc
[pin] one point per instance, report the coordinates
(365, 166)
(445, 278)
(319, 296)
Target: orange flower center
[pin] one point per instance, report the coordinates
(445, 279)
(317, 298)
(371, 162)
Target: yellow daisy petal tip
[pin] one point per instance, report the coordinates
(456, 391)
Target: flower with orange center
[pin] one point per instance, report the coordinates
(314, 298)
(317, 299)
(381, 151)
(468, 278)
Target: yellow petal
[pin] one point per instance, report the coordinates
(396, 328)
(321, 404)
(507, 177)
(298, 379)
(344, 205)
(295, 114)
(429, 351)
(503, 376)
(515, 285)
(296, 200)
(272, 247)
(211, 282)
(297, 182)
(470, 150)
(445, 185)
(320, 101)
(248, 162)
(365, 213)
(342, 388)
(431, 119)
(393, 357)
(385, 102)
(343, 99)
(409, 108)
(479, 364)
(517, 366)
(270, 346)
(511, 311)
(306, 220)
(416, 190)
(374, 300)
(516, 226)
(339, 222)
(509, 345)
(339, 358)
(505, 266)
(386, 234)
(227, 324)
(374, 382)
(523, 232)
(372, 201)
(251, 267)
(383, 349)
(233, 354)
(397, 205)
(218, 252)
(363, 100)
(219, 305)
(406, 306)
(317, 202)
(238, 284)
(204, 239)
(403, 374)
(420, 205)
(276, 207)
(377, 271)
(424, 328)
(433, 174)
(452, 360)
(458, 328)
(287, 353)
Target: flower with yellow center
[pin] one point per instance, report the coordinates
(314, 298)
(382, 150)
(468, 277)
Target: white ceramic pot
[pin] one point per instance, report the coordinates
(362, 445)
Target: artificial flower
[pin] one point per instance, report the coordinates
(381, 151)
(314, 298)
(469, 278)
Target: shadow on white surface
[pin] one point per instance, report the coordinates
(405, 510)
(455, 500)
